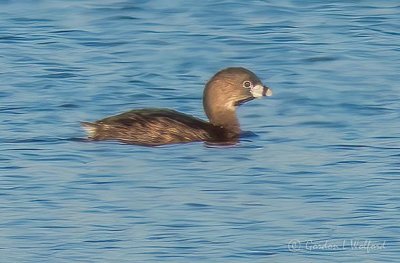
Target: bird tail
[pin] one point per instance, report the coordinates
(90, 128)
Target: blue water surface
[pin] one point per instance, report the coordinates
(319, 183)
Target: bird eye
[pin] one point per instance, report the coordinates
(247, 84)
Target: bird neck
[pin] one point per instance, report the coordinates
(223, 116)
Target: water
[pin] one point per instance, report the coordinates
(319, 182)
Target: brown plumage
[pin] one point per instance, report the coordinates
(225, 91)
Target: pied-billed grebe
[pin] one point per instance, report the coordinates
(226, 90)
